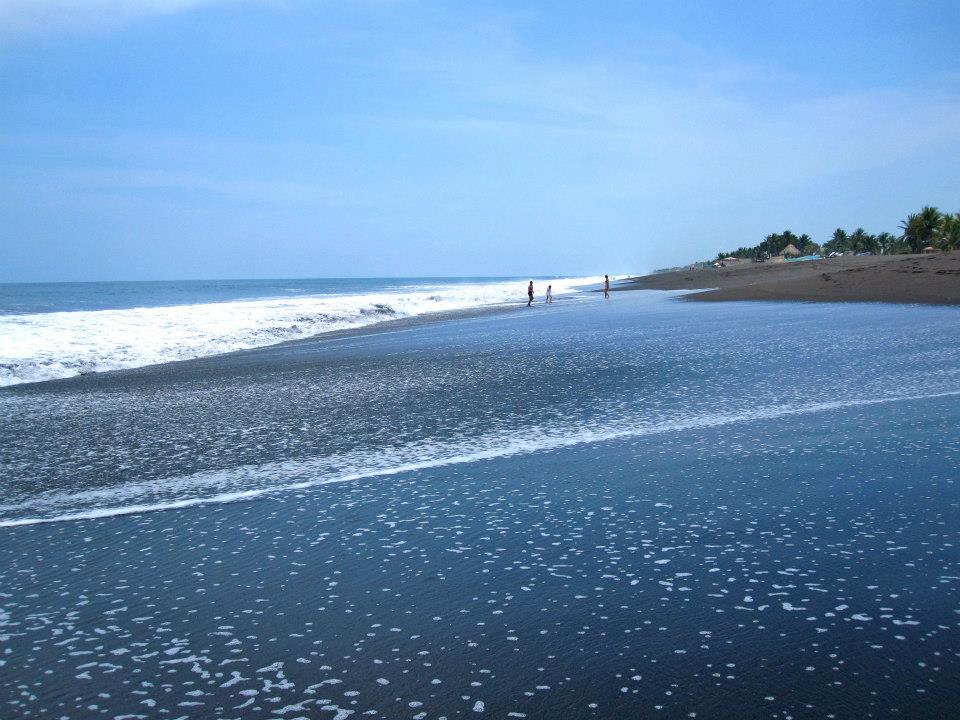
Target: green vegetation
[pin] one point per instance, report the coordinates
(860, 241)
(775, 244)
(927, 228)
(931, 228)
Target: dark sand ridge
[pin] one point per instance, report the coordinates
(931, 279)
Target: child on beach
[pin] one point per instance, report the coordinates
(549, 297)
(606, 287)
(530, 294)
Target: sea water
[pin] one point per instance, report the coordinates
(57, 330)
(635, 507)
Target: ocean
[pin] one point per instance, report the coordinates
(635, 507)
(57, 330)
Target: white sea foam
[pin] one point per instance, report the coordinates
(252, 481)
(46, 346)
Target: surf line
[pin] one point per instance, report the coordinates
(506, 445)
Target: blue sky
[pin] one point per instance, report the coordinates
(152, 139)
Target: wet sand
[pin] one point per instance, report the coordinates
(929, 279)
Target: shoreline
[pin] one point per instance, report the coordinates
(922, 279)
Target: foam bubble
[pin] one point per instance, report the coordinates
(254, 481)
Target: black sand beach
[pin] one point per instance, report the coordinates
(931, 279)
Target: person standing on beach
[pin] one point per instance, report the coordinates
(549, 297)
(606, 287)
(530, 294)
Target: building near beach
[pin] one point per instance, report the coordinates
(791, 251)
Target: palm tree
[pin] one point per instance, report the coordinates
(838, 243)
(921, 229)
(950, 232)
(912, 231)
(807, 246)
(860, 241)
(887, 243)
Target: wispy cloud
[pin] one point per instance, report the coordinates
(676, 119)
(49, 17)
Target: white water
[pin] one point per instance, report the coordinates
(253, 481)
(46, 346)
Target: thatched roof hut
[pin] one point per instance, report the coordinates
(791, 251)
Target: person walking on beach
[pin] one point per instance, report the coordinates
(549, 297)
(606, 287)
(530, 294)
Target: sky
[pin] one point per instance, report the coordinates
(187, 139)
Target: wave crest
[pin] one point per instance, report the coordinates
(47, 346)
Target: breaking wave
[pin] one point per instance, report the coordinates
(46, 346)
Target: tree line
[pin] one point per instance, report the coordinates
(927, 228)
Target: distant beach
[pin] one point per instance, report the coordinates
(932, 279)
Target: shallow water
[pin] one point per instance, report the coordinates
(632, 508)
